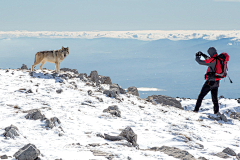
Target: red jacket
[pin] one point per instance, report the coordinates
(213, 68)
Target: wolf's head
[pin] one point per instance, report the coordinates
(65, 52)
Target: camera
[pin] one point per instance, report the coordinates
(201, 54)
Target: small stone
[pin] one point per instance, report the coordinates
(4, 157)
(202, 158)
(29, 91)
(59, 91)
(24, 67)
(90, 92)
(99, 135)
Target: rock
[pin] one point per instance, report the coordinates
(100, 99)
(94, 145)
(238, 156)
(235, 115)
(113, 110)
(218, 117)
(35, 114)
(222, 155)
(105, 80)
(28, 152)
(165, 100)
(99, 153)
(175, 152)
(114, 138)
(202, 158)
(99, 135)
(229, 151)
(114, 85)
(129, 135)
(59, 91)
(222, 117)
(94, 77)
(133, 90)
(89, 92)
(24, 67)
(29, 91)
(113, 92)
(238, 100)
(53, 122)
(4, 157)
(69, 70)
(82, 76)
(11, 131)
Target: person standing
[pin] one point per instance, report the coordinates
(212, 82)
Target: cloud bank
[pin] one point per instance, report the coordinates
(145, 35)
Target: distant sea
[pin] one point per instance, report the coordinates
(161, 67)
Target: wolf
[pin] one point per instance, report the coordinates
(54, 56)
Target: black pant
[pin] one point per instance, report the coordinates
(209, 86)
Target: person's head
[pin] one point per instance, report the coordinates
(211, 51)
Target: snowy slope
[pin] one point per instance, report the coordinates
(155, 125)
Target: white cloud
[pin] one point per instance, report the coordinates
(146, 35)
(149, 89)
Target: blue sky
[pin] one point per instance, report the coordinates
(116, 15)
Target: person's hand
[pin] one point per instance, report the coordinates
(198, 54)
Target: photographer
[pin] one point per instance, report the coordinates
(212, 82)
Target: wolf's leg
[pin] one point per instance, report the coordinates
(42, 63)
(38, 59)
(56, 66)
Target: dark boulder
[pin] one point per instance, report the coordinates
(24, 67)
(34, 114)
(113, 110)
(133, 90)
(52, 122)
(166, 100)
(28, 152)
(11, 131)
(175, 152)
(105, 80)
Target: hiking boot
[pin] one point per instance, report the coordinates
(195, 111)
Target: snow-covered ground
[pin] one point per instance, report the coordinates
(155, 125)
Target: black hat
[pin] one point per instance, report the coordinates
(211, 51)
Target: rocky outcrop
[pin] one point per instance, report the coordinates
(69, 70)
(28, 152)
(105, 80)
(165, 100)
(94, 77)
(175, 152)
(11, 132)
(114, 85)
(113, 110)
(133, 90)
